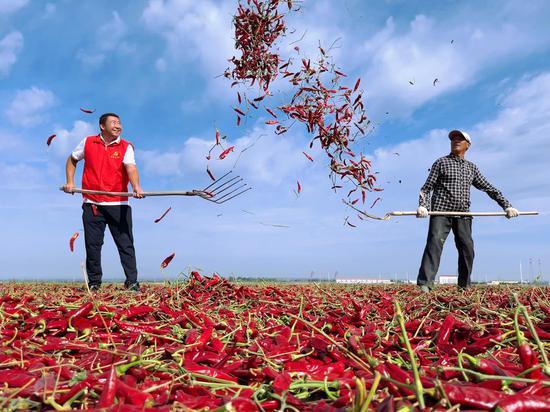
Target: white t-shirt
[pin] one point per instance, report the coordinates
(129, 159)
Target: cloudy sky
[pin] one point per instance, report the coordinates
(158, 63)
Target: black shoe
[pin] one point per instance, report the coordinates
(94, 288)
(134, 287)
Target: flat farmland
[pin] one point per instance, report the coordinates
(205, 343)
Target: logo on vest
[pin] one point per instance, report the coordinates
(115, 155)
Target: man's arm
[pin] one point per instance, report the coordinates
(133, 176)
(424, 198)
(482, 184)
(70, 169)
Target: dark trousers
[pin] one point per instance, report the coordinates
(119, 220)
(440, 226)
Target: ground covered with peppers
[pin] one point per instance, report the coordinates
(209, 344)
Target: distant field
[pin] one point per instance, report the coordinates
(210, 343)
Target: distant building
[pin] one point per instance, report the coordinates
(448, 279)
(349, 279)
(504, 282)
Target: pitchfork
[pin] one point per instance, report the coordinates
(219, 191)
(388, 215)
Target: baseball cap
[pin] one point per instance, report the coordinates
(461, 133)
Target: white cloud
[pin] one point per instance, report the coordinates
(510, 150)
(11, 6)
(423, 52)
(66, 140)
(194, 31)
(10, 47)
(270, 159)
(29, 106)
(49, 10)
(109, 38)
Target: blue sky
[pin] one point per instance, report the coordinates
(157, 63)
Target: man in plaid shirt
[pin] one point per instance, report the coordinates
(450, 179)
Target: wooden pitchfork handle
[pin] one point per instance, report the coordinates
(200, 193)
(411, 213)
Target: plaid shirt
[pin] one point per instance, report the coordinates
(450, 179)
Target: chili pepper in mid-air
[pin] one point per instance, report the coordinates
(308, 157)
(71, 241)
(299, 187)
(210, 173)
(167, 261)
(226, 152)
(164, 214)
(49, 141)
(375, 201)
(89, 111)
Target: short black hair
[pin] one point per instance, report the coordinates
(104, 116)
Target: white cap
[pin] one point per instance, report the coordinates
(461, 133)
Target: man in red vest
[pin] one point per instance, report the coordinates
(109, 165)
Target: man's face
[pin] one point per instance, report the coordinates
(459, 144)
(112, 127)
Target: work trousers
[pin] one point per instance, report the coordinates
(440, 226)
(119, 220)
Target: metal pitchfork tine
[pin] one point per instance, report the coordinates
(224, 187)
(219, 191)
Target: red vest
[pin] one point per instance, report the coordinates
(104, 170)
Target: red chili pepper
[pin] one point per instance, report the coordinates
(89, 111)
(271, 112)
(109, 389)
(167, 261)
(239, 111)
(133, 396)
(226, 152)
(210, 173)
(445, 330)
(164, 214)
(71, 241)
(49, 141)
(299, 187)
(472, 396)
(308, 157)
(95, 210)
(523, 403)
(272, 122)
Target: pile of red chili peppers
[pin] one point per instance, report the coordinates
(209, 344)
(333, 114)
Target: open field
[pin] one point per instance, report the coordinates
(209, 344)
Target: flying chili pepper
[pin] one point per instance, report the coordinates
(89, 111)
(164, 214)
(272, 122)
(210, 173)
(299, 187)
(49, 141)
(270, 112)
(356, 85)
(226, 152)
(308, 157)
(71, 241)
(167, 261)
(375, 201)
